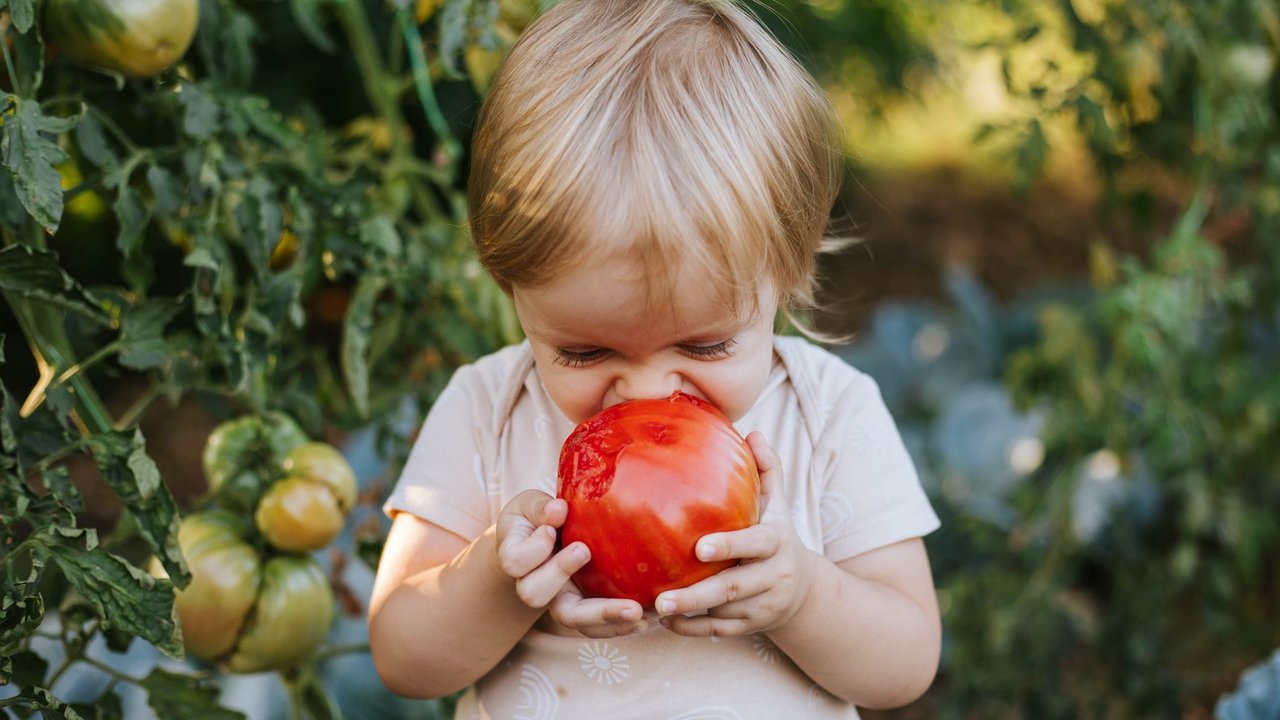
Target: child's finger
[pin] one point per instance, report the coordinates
(769, 465)
(732, 585)
(757, 541)
(540, 586)
(597, 617)
(534, 507)
(524, 548)
(707, 626)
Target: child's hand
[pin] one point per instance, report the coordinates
(526, 547)
(526, 552)
(770, 584)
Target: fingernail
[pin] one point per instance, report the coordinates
(706, 550)
(665, 606)
(580, 553)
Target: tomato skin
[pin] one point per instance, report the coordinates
(242, 456)
(324, 465)
(644, 481)
(305, 510)
(225, 574)
(290, 619)
(138, 38)
(298, 515)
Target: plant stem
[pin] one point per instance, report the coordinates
(422, 79)
(130, 416)
(42, 326)
(112, 671)
(325, 653)
(8, 64)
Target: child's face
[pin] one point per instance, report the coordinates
(596, 344)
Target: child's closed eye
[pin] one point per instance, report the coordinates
(716, 351)
(579, 358)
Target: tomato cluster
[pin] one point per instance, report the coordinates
(644, 481)
(257, 599)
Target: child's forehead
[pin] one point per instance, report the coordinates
(673, 275)
(621, 290)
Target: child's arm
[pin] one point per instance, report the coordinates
(444, 611)
(867, 629)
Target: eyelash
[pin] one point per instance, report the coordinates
(577, 359)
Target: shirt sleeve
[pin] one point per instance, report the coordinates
(872, 496)
(444, 479)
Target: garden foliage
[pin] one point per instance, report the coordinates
(277, 224)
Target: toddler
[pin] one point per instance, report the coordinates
(651, 181)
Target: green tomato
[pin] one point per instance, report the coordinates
(228, 449)
(305, 510)
(241, 612)
(291, 618)
(225, 574)
(139, 38)
(244, 455)
(299, 515)
(323, 464)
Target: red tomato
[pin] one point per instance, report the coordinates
(644, 480)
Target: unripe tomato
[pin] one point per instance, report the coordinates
(240, 612)
(139, 38)
(305, 510)
(225, 573)
(291, 618)
(242, 456)
(644, 481)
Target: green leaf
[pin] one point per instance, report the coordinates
(142, 343)
(125, 466)
(28, 51)
(454, 33)
(36, 274)
(182, 697)
(51, 707)
(307, 15)
(380, 232)
(32, 159)
(106, 706)
(23, 13)
(8, 415)
(94, 145)
(166, 190)
(133, 216)
(24, 669)
(355, 339)
(12, 213)
(20, 615)
(200, 113)
(261, 219)
(124, 596)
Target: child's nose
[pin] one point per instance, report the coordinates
(648, 382)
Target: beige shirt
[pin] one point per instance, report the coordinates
(850, 484)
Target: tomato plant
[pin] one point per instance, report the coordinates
(139, 39)
(644, 480)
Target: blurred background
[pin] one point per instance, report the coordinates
(1067, 284)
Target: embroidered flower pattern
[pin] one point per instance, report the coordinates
(603, 663)
(765, 649)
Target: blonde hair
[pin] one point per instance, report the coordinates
(680, 131)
